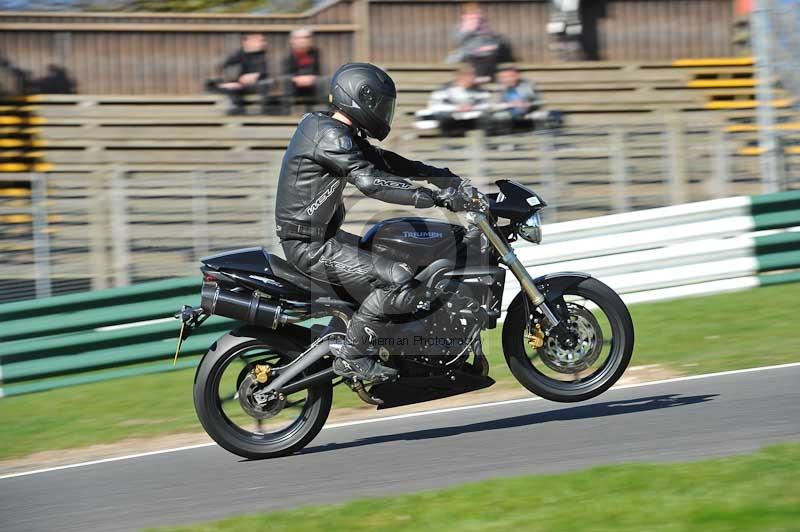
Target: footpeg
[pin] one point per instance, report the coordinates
(363, 394)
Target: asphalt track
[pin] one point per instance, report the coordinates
(681, 419)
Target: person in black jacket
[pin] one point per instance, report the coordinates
(328, 151)
(479, 45)
(302, 68)
(246, 72)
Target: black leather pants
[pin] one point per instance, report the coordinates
(384, 287)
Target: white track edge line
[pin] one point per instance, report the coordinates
(401, 416)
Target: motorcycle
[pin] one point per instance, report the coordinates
(265, 389)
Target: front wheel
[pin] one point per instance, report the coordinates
(234, 411)
(602, 326)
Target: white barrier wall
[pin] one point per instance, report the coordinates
(690, 249)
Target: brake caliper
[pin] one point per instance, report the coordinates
(536, 338)
(261, 373)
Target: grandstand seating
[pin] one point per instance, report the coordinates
(622, 119)
(93, 131)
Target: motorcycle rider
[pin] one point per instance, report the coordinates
(327, 151)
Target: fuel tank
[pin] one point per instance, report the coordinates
(418, 241)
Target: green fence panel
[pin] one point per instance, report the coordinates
(66, 344)
(779, 201)
(785, 260)
(106, 358)
(100, 298)
(94, 317)
(777, 220)
(74, 380)
(785, 241)
(779, 278)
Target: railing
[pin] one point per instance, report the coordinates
(88, 337)
(114, 224)
(784, 34)
(774, 26)
(678, 251)
(683, 250)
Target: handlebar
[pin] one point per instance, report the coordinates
(474, 199)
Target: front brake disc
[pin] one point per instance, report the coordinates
(587, 349)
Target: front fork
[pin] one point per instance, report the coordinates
(511, 260)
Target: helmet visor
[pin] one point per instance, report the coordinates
(384, 109)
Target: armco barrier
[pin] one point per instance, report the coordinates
(691, 249)
(78, 338)
(683, 250)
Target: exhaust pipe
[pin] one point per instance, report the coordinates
(249, 308)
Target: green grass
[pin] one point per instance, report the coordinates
(758, 492)
(690, 336)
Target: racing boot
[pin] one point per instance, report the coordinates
(365, 368)
(357, 358)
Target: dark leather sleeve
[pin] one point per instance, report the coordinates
(234, 59)
(343, 155)
(317, 61)
(287, 65)
(399, 165)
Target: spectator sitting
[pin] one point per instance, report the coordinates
(457, 107)
(519, 105)
(18, 76)
(301, 70)
(250, 74)
(479, 45)
(56, 81)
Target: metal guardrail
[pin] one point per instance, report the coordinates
(689, 249)
(66, 340)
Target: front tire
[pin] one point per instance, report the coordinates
(551, 378)
(216, 395)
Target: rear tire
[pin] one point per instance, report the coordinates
(619, 356)
(289, 344)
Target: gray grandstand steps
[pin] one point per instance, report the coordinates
(199, 131)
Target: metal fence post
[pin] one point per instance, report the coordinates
(619, 171)
(549, 178)
(41, 238)
(119, 228)
(477, 158)
(98, 216)
(676, 161)
(361, 37)
(199, 214)
(720, 164)
(766, 116)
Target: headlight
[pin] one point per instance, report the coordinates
(531, 229)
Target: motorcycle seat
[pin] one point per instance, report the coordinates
(315, 288)
(282, 269)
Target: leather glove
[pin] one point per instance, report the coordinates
(424, 198)
(454, 180)
(449, 198)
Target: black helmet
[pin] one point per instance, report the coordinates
(366, 94)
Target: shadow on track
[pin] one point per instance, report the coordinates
(610, 408)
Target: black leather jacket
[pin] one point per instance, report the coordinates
(326, 154)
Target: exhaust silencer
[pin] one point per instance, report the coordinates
(249, 308)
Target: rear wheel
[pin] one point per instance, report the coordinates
(238, 416)
(603, 333)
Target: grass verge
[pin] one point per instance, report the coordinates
(689, 336)
(756, 492)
